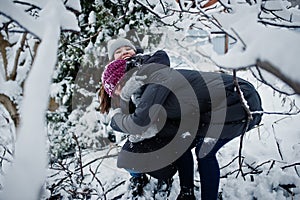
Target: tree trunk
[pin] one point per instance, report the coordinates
(11, 107)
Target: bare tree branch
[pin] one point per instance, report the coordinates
(277, 142)
(96, 159)
(242, 41)
(288, 187)
(27, 4)
(3, 45)
(290, 165)
(291, 26)
(80, 158)
(154, 13)
(260, 78)
(271, 166)
(19, 24)
(100, 183)
(249, 118)
(17, 56)
(266, 65)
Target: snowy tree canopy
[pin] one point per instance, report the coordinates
(258, 32)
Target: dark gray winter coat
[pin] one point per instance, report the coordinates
(207, 101)
(179, 102)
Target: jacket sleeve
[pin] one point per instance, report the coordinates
(146, 112)
(160, 57)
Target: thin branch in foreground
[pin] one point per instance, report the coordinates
(261, 79)
(6, 159)
(157, 15)
(230, 173)
(13, 74)
(119, 184)
(239, 37)
(229, 163)
(249, 118)
(271, 166)
(107, 154)
(288, 187)
(27, 4)
(266, 65)
(290, 165)
(278, 113)
(277, 143)
(296, 170)
(80, 158)
(19, 24)
(100, 183)
(96, 159)
(279, 25)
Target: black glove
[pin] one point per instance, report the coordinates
(135, 61)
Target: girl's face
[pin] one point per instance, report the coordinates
(124, 53)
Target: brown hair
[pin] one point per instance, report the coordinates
(105, 101)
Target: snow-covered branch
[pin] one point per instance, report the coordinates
(294, 84)
(259, 32)
(32, 134)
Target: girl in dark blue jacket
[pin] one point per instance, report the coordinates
(174, 111)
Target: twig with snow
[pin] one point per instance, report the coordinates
(100, 183)
(269, 67)
(229, 162)
(80, 156)
(249, 118)
(96, 159)
(261, 78)
(13, 74)
(239, 37)
(288, 187)
(271, 166)
(291, 165)
(277, 140)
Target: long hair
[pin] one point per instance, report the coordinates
(105, 101)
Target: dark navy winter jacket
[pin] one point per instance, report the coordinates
(159, 57)
(206, 103)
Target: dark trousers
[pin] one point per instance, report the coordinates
(208, 167)
(185, 167)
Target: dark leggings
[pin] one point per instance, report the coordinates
(185, 167)
(208, 167)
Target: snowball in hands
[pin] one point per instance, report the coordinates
(112, 112)
(149, 133)
(134, 83)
